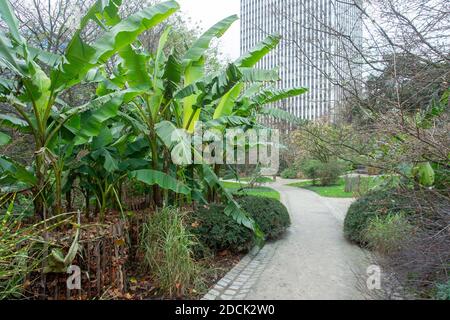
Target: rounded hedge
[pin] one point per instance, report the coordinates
(289, 173)
(270, 215)
(219, 232)
(378, 203)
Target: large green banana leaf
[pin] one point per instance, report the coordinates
(81, 57)
(272, 95)
(193, 62)
(135, 64)
(176, 141)
(280, 115)
(252, 57)
(191, 114)
(4, 139)
(232, 209)
(227, 102)
(9, 169)
(253, 75)
(172, 76)
(11, 121)
(197, 51)
(11, 21)
(152, 177)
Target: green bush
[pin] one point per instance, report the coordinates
(218, 232)
(327, 173)
(442, 181)
(270, 215)
(386, 234)
(330, 172)
(443, 291)
(289, 173)
(310, 169)
(378, 203)
(167, 245)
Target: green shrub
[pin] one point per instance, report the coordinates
(167, 249)
(270, 215)
(442, 181)
(443, 291)
(219, 232)
(327, 173)
(378, 203)
(330, 172)
(310, 169)
(386, 234)
(289, 173)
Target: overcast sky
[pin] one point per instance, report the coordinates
(208, 12)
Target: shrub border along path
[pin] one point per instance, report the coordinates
(313, 260)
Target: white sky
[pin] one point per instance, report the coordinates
(209, 12)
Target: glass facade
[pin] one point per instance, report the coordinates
(320, 42)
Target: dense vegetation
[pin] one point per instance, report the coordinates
(217, 231)
(376, 204)
(271, 216)
(402, 226)
(122, 135)
(89, 130)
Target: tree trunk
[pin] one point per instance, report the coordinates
(69, 201)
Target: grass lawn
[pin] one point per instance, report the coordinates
(257, 191)
(259, 180)
(335, 191)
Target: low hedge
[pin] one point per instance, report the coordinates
(270, 215)
(327, 173)
(378, 203)
(219, 232)
(289, 173)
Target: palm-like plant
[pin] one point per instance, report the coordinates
(175, 92)
(35, 95)
(147, 97)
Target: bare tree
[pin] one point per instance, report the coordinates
(394, 76)
(403, 43)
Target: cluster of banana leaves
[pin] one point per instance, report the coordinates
(123, 132)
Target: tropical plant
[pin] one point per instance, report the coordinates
(175, 93)
(130, 128)
(36, 96)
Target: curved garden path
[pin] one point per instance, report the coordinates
(312, 261)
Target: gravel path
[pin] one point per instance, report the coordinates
(312, 261)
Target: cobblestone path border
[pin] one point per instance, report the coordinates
(238, 281)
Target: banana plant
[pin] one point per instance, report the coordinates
(36, 96)
(175, 93)
(102, 166)
(157, 78)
